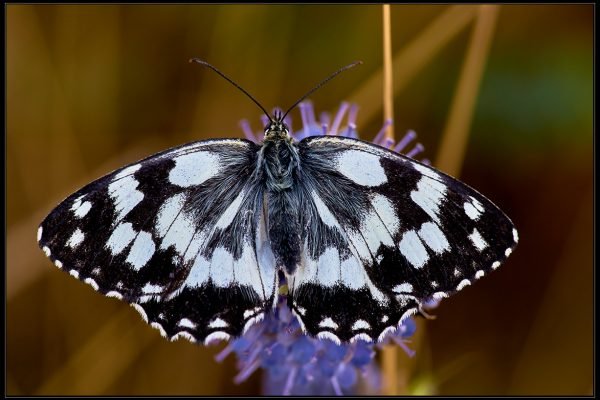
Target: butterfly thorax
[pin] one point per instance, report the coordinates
(279, 157)
(279, 162)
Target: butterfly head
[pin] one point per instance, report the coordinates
(277, 128)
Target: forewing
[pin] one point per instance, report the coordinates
(179, 235)
(383, 234)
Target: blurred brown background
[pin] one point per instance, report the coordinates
(91, 88)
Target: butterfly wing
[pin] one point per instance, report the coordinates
(179, 235)
(383, 234)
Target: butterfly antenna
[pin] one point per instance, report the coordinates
(324, 81)
(201, 62)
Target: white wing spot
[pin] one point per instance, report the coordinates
(194, 168)
(120, 238)
(385, 319)
(46, 250)
(479, 274)
(248, 313)
(328, 323)
(477, 240)
(160, 328)
(361, 336)
(413, 250)
(199, 273)
(361, 167)
(477, 204)
(137, 307)
(385, 332)
(328, 270)
(185, 335)
(146, 298)
(439, 295)
(385, 209)
(471, 211)
(217, 323)
(81, 209)
(195, 246)
(152, 289)
(326, 216)
(353, 273)
(329, 336)
(495, 264)
(355, 277)
(74, 273)
(360, 324)
(433, 237)
(308, 270)
(456, 272)
(252, 321)
(434, 284)
(75, 239)
(265, 256)
(125, 195)
(186, 323)
(92, 283)
(221, 267)
(142, 250)
(426, 171)
(246, 270)
(301, 310)
(231, 211)
(515, 235)
(508, 252)
(429, 195)
(405, 299)
(403, 288)
(58, 264)
(462, 284)
(216, 337)
(39, 233)
(375, 232)
(132, 169)
(115, 294)
(359, 243)
(407, 314)
(168, 212)
(176, 227)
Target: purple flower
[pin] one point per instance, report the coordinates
(294, 363)
(311, 126)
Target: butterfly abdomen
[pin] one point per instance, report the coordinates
(284, 229)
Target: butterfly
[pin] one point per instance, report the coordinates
(198, 237)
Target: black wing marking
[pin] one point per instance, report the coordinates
(180, 235)
(383, 234)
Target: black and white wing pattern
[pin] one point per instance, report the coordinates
(383, 233)
(179, 235)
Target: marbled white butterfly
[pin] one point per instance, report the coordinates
(197, 237)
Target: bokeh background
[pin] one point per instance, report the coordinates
(91, 88)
